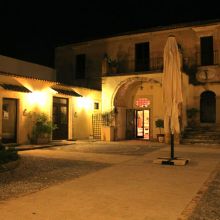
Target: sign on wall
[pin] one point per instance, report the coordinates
(142, 102)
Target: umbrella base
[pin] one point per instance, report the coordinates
(177, 161)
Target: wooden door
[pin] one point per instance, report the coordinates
(208, 107)
(9, 120)
(60, 118)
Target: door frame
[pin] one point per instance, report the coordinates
(136, 110)
(14, 140)
(202, 119)
(67, 114)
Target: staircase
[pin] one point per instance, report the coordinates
(201, 135)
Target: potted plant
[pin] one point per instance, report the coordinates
(191, 116)
(113, 65)
(159, 123)
(42, 129)
(108, 119)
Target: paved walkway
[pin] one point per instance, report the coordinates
(132, 189)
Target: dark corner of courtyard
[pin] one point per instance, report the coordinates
(7, 157)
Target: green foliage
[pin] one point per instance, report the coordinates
(159, 123)
(191, 71)
(192, 112)
(109, 117)
(7, 155)
(113, 62)
(42, 127)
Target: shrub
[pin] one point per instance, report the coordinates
(7, 155)
(43, 127)
(159, 123)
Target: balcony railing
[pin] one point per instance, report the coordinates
(134, 66)
(207, 59)
(155, 64)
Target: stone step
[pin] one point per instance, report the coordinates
(200, 136)
(203, 129)
(199, 141)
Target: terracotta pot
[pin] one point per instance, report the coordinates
(160, 138)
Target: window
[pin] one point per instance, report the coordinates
(207, 55)
(96, 105)
(80, 66)
(142, 57)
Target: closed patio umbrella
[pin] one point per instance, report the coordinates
(172, 89)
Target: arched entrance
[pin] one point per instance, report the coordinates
(208, 107)
(134, 102)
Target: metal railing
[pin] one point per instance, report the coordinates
(137, 66)
(207, 59)
(189, 64)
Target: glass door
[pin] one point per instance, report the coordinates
(142, 124)
(146, 124)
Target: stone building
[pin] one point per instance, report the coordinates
(128, 70)
(27, 89)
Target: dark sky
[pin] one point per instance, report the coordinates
(31, 30)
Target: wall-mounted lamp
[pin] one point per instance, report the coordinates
(25, 113)
(75, 115)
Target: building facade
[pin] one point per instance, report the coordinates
(28, 89)
(128, 69)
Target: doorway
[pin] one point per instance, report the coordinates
(60, 118)
(142, 124)
(208, 107)
(137, 124)
(9, 120)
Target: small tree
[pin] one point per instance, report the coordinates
(159, 123)
(7, 155)
(42, 127)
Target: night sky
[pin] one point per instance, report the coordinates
(30, 31)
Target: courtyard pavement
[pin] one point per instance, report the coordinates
(131, 188)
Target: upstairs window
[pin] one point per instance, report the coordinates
(207, 53)
(142, 57)
(80, 66)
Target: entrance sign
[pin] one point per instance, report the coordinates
(142, 102)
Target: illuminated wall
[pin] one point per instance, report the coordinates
(83, 108)
(40, 99)
(150, 88)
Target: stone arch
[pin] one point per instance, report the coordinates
(126, 85)
(122, 101)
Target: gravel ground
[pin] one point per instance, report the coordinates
(208, 208)
(36, 173)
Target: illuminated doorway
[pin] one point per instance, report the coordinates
(142, 124)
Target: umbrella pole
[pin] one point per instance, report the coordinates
(171, 146)
(171, 141)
